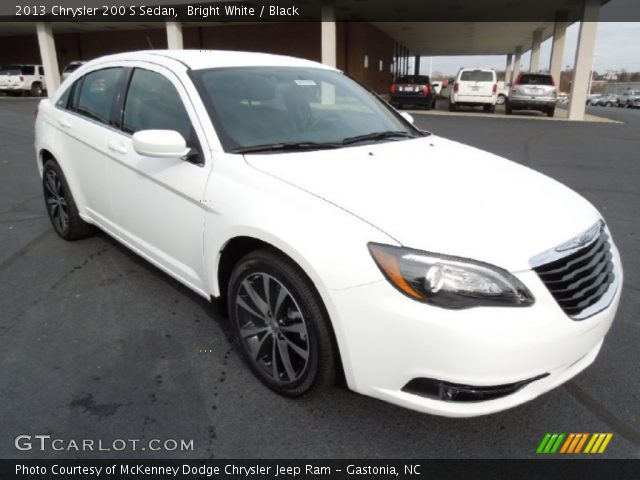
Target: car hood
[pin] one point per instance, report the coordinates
(441, 196)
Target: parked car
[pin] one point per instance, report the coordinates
(533, 91)
(563, 98)
(311, 222)
(593, 98)
(474, 87)
(608, 101)
(630, 99)
(71, 67)
(19, 79)
(413, 90)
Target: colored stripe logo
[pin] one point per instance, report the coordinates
(573, 443)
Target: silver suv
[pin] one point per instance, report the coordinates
(533, 91)
(629, 99)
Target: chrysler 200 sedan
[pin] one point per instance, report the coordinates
(338, 238)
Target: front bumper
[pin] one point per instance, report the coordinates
(387, 340)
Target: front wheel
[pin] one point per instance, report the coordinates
(501, 99)
(281, 324)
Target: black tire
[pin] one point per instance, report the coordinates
(267, 333)
(507, 108)
(452, 106)
(433, 105)
(36, 89)
(501, 99)
(551, 112)
(489, 108)
(60, 205)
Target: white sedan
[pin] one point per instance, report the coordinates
(337, 237)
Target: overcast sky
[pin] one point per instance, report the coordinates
(617, 47)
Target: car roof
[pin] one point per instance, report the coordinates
(202, 59)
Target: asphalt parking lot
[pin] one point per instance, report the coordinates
(96, 343)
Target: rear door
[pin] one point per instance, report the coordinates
(84, 119)
(476, 83)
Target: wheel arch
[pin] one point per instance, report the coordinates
(237, 247)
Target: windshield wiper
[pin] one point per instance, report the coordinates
(377, 136)
(286, 146)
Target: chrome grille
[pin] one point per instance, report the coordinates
(580, 279)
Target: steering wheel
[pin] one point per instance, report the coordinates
(314, 123)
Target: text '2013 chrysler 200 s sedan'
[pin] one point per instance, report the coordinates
(337, 237)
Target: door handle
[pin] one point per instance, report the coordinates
(64, 123)
(116, 147)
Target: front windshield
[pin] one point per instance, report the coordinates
(254, 106)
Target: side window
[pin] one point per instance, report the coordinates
(153, 103)
(28, 70)
(40, 71)
(63, 101)
(95, 94)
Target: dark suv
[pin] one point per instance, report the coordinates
(533, 91)
(415, 90)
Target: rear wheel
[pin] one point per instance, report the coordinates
(61, 206)
(452, 107)
(501, 99)
(281, 324)
(507, 108)
(36, 89)
(489, 108)
(551, 112)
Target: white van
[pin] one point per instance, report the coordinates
(474, 87)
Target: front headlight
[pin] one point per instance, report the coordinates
(446, 281)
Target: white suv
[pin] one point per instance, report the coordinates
(23, 79)
(473, 87)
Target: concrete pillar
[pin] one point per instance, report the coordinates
(174, 36)
(328, 36)
(508, 70)
(534, 64)
(557, 45)
(416, 65)
(584, 59)
(49, 57)
(516, 63)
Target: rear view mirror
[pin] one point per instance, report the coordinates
(160, 144)
(408, 117)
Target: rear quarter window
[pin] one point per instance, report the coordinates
(28, 70)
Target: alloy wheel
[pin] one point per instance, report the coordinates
(56, 202)
(272, 328)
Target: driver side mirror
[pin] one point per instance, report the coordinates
(160, 144)
(408, 117)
